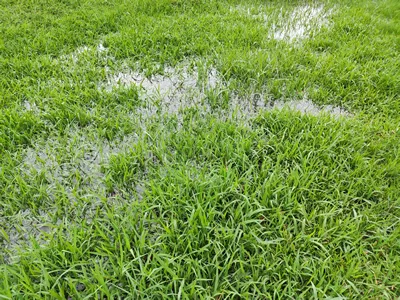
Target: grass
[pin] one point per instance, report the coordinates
(110, 191)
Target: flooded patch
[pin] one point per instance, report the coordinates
(69, 167)
(30, 107)
(178, 88)
(193, 84)
(301, 23)
(100, 48)
(306, 106)
(75, 56)
(183, 88)
(245, 108)
(78, 169)
(174, 82)
(27, 227)
(73, 165)
(288, 25)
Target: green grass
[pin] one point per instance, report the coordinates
(108, 192)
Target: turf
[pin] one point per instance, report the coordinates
(111, 189)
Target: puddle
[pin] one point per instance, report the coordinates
(72, 165)
(182, 88)
(175, 81)
(179, 88)
(83, 153)
(290, 26)
(76, 164)
(246, 108)
(303, 21)
(76, 55)
(100, 48)
(26, 227)
(188, 83)
(30, 107)
(306, 106)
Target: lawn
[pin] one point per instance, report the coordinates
(199, 149)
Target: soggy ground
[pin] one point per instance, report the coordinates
(183, 149)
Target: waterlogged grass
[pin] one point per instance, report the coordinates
(146, 151)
